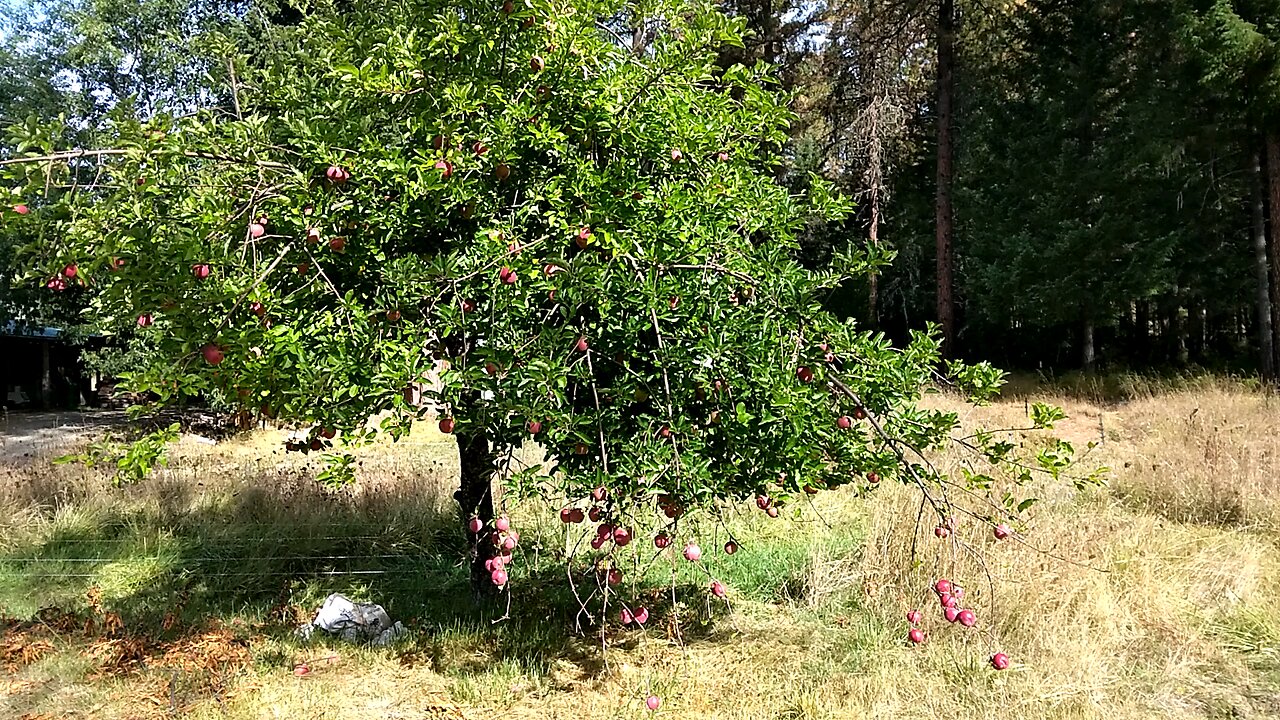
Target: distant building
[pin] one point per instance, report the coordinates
(39, 369)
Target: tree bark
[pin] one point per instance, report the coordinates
(1086, 345)
(1262, 272)
(873, 299)
(945, 215)
(476, 462)
(1142, 331)
(1273, 240)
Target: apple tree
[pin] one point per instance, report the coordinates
(547, 234)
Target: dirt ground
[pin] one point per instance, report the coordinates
(40, 434)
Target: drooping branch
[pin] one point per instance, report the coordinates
(83, 153)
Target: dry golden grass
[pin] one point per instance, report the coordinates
(1159, 597)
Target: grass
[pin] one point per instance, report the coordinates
(1161, 596)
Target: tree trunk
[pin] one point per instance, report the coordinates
(1273, 240)
(1086, 345)
(1262, 273)
(476, 461)
(1142, 331)
(946, 153)
(873, 299)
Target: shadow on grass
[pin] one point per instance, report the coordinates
(247, 558)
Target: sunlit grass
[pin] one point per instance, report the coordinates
(1159, 598)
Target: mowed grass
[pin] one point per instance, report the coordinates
(1156, 597)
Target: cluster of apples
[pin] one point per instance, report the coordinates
(765, 503)
(949, 595)
(317, 441)
(63, 279)
(504, 540)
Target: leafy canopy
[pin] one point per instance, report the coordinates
(584, 239)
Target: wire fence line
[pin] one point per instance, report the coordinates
(404, 571)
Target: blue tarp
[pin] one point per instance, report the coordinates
(13, 329)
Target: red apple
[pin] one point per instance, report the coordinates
(913, 617)
(622, 537)
(338, 244)
(71, 270)
(941, 531)
(576, 516)
(502, 524)
(730, 547)
(337, 175)
(947, 600)
(257, 230)
(844, 422)
(600, 493)
(916, 636)
(676, 155)
(313, 236)
(550, 270)
(201, 270)
(967, 618)
(763, 502)
(445, 167)
(499, 577)
(257, 308)
(212, 354)
(507, 276)
(328, 433)
(303, 268)
(393, 316)
(145, 320)
(717, 588)
(566, 515)
(722, 156)
(21, 209)
(605, 530)
(1003, 531)
(581, 344)
(446, 425)
(1000, 661)
(509, 543)
(873, 477)
(615, 576)
(626, 617)
(951, 614)
(479, 148)
(537, 63)
(642, 615)
(468, 306)
(804, 374)
(942, 586)
(535, 427)
(502, 171)
(665, 432)
(662, 541)
(597, 542)
(474, 524)
(653, 702)
(595, 514)
(117, 263)
(771, 512)
(692, 552)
